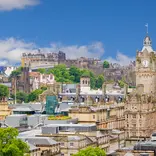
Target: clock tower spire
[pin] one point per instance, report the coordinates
(146, 66)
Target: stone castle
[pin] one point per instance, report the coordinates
(48, 60)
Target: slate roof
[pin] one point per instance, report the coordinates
(74, 138)
(41, 141)
(23, 109)
(32, 147)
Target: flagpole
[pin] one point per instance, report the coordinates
(146, 27)
(15, 89)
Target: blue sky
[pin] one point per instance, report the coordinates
(107, 28)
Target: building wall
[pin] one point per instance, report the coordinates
(135, 153)
(4, 110)
(112, 119)
(35, 153)
(138, 113)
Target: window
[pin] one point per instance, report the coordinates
(62, 144)
(134, 125)
(133, 134)
(71, 144)
(134, 116)
(93, 116)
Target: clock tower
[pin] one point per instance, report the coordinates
(146, 67)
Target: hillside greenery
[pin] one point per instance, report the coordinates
(62, 74)
(73, 74)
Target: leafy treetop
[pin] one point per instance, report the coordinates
(10, 145)
(16, 72)
(91, 151)
(105, 64)
(73, 75)
(4, 91)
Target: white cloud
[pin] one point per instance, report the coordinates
(3, 62)
(94, 50)
(7, 5)
(121, 59)
(11, 50)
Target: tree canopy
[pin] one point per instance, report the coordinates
(20, 97)
(10, 145)
(105, 64)
(91, 151)
(16, 72)
(122, 82)
(100, 81)
(73, 75)
(34, 95)
(4, 91)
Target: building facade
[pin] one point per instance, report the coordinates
(40, 60)
(140, 104)
(38, 80)
(21, 82)
(106, 117)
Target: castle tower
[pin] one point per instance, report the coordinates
(146, 67)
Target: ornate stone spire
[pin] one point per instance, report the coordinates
(147, 44)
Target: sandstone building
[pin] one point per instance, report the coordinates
(140, 110)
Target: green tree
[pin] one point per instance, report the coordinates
(122, 82)
(16, 72)
(99, 81)
(34, 95)
(43, 88)
(10, 145)
(75, 74)
(4, 91)
(91, 151)
(105, 64)
(42, 70)
(20, 97)
(61, 73)
(72, 75)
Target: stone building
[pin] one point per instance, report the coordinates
(140, 110)
(37, 59)
(21, 82)
(4, 110)
(46, 145)
(105, 117)
(74, 137)
(38, 80)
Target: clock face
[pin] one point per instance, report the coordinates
(145, 63)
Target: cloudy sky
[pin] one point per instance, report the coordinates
(110, 30)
